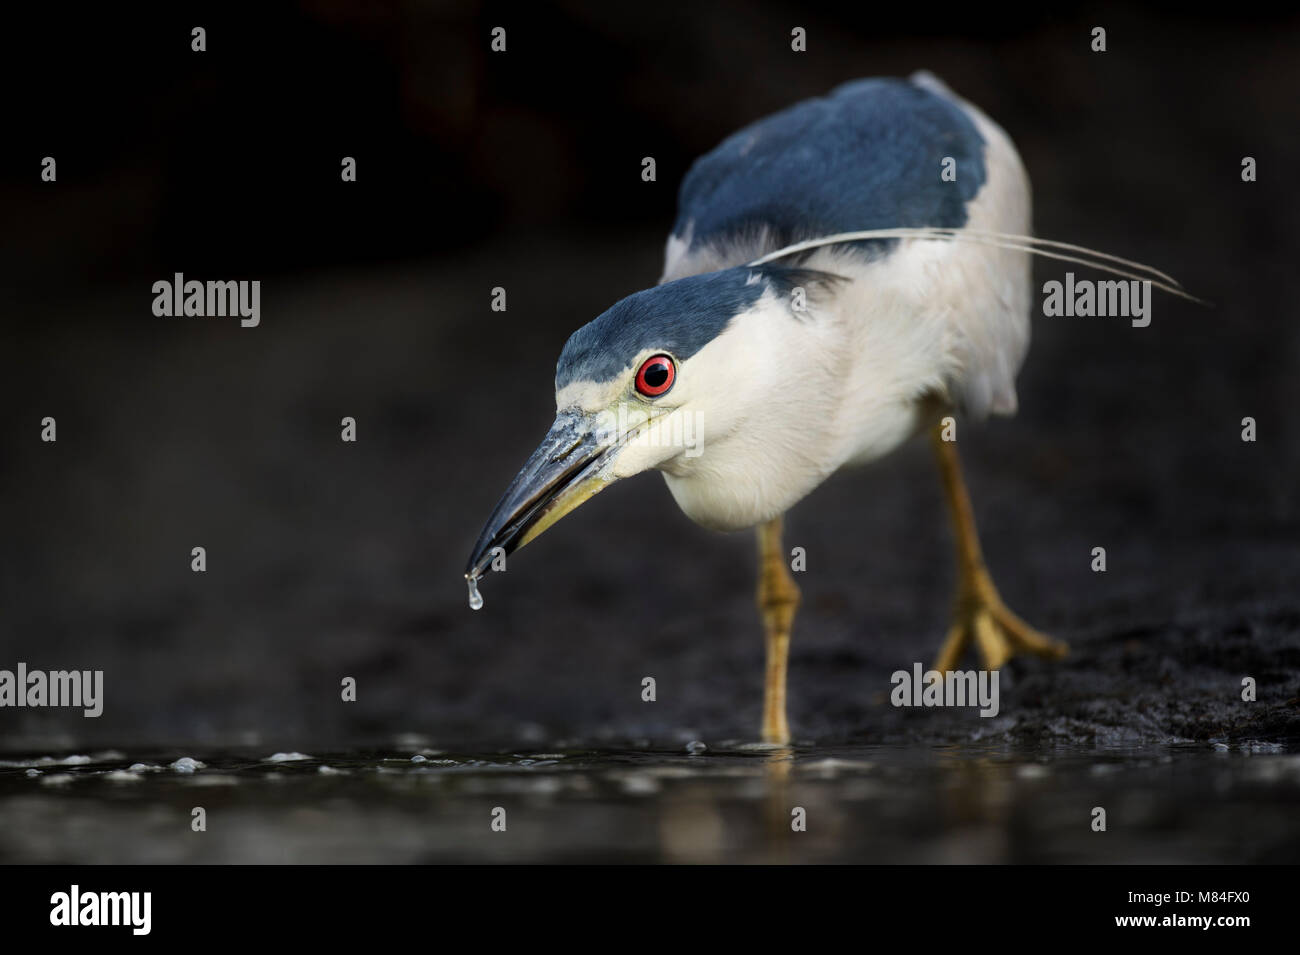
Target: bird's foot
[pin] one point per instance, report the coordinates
(997, 632)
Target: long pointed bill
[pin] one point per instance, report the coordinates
(571, 464)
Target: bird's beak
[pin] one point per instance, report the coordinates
(571, 464)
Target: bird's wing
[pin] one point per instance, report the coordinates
(868, 156)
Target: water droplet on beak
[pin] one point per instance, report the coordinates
(475, 598)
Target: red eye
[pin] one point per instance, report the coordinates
(656, 376)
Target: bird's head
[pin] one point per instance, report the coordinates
(662, 380)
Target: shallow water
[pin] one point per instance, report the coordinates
(657, 802)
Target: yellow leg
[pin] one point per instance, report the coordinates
(778, 599)
(980, 613)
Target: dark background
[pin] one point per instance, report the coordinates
(522, 170)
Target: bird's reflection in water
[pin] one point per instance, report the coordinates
(789, 807)
(973, 808)
(770, 809)
(778, 768)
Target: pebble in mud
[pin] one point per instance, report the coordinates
(286, 758)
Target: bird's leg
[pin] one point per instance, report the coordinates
(980, 612)
(778, 599)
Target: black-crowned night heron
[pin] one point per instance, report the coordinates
(841, 275)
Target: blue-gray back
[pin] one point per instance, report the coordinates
(867, 156)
